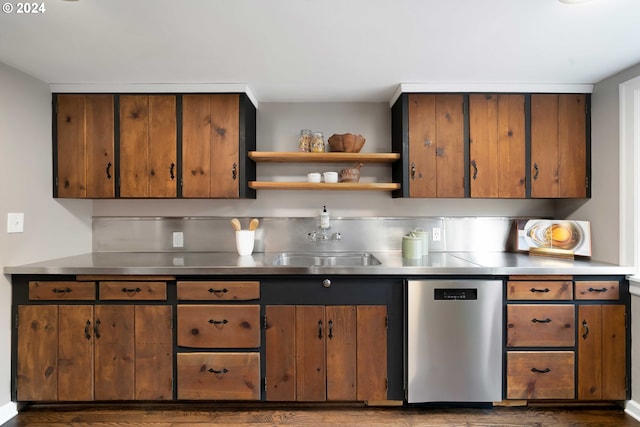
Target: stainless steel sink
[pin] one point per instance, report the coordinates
(338, 259)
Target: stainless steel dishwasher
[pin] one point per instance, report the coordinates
(454, 341)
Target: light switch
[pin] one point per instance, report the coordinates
(15, 222)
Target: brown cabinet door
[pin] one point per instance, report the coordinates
(601, 352)
(37, 363)
(311, 331)
(342, 365)
(280, 352)
(540, 325)
(114, 352)
(210, 146)
(75, 353)
(436, 145)
(85, 146)
(154, 352)
(372, 352)
(148, 146)
(558, 146)
(497, 146)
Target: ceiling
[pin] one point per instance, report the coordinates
(323, 50)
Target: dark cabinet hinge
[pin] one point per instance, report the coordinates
(386, 383)
(386, 322)
(264, 388)
(264, 322)
(586, 182)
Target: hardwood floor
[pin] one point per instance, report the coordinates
(200, 414)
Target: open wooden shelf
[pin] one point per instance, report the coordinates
(366, 186)
(301, 157)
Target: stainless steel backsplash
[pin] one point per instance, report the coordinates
(374, 234)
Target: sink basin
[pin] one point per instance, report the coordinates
(338, 259)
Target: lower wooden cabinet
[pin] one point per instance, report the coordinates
(219, 376)
(318, 353)
(87, 352)
(562, 349)
(602, 352)
(540, 375)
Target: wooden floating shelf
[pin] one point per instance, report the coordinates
(366, 186)
(301, 157)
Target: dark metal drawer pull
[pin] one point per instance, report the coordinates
(218, 292)
(131, 290)
(597, 290)
(172, 174)
(539, 290)
(319, 329)
(108, 170)
(330, 329)
(218, 322)
(223, 371)
(96, 329)
(87, 327)
(586, 330)
(547, 320)
(539, 371)
(60, 291)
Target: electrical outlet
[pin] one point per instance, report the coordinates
(178, 239)
(436, 234)
(15, 222)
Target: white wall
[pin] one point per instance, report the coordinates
(52, 228)
(278, 127)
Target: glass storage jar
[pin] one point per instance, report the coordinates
(304, 142)
(317, 142)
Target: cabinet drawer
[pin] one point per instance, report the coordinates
(540, 375)
(533, 325)
(218, 291)
(598, 290)
(540, 290)
(62, 290)
(219, 376)
(148, 291)
(219, 326)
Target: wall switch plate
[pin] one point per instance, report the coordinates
(436, 234)
(15, 222)
(178, 239)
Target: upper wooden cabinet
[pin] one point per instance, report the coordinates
(497, 146)
(83, 164)
(148, 146)
(436, 145)
(213, 141)
(153, 146)
(559, 146)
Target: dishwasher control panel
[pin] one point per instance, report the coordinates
(440, 294)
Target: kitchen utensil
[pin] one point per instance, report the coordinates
(347, 142)
(244, 242)
(254, 224)
(351, 175)
(235, 223)
(330, 177)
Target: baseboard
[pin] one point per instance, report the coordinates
(633, 408)
(8, 411)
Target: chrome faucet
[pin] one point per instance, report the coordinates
(324, 223)
(315, 236)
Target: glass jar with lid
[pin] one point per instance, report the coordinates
(317, 142)
(304, 142)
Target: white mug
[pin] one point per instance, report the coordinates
(244, 242)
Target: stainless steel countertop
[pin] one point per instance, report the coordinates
(392, 263)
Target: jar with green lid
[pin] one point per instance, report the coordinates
(317, 142)
(304, 142)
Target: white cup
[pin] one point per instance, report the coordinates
(313, 177)
(330, 176)
(244, 242)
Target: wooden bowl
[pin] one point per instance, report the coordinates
(346, 142)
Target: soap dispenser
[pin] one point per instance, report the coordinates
(324, 218)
